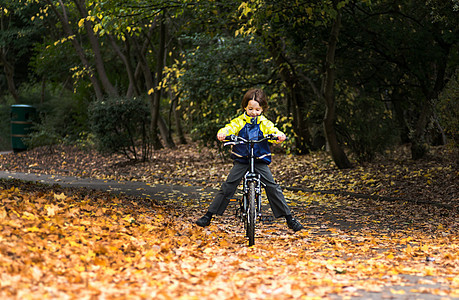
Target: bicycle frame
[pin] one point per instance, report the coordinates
(250, 205)
(252, 176)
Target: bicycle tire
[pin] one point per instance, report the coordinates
(251, 214)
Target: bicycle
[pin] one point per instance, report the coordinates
(250, 203)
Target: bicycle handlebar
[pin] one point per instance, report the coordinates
(237, 140)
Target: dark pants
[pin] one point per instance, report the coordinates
(273, 191)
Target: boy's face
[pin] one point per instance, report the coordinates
(253, 109)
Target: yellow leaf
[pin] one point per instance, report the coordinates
(29, 216)
(224, 243)
(80, 269)
(33, 229)
(429, 271)
(3, 213)
(397, 292)
(51, 210)
(80, 23)
(59, 197)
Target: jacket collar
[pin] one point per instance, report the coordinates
(248, 119)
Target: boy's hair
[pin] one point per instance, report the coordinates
(257, 95)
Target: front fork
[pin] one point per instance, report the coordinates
(248, 177)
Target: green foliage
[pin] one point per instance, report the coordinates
(222, 49)
(218, 72)
(120, 124)
(366, 126)
(448, 108)
(54, 62)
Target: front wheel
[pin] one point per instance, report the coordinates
(251, 214)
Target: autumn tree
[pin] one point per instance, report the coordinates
(109, 30)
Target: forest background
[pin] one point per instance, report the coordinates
(369, 84)
(354, 77)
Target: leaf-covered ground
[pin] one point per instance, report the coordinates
(76, 243)
(433, 179)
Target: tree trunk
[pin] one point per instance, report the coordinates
(419, 142)
(43, 89)
(177, 117)
(8, 67)
(95, 45)
(127, 64)
(142, 62)
(158, 78)
(150, 84)
(165, 133)
(300, 121)
(396, 101)
(9, 74)
(337, 153)
(419, 146)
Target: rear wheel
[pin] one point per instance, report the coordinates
(251, 214)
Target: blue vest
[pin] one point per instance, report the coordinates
(262, 151)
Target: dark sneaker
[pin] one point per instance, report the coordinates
(295, 225)
(203, 221)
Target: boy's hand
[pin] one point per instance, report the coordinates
(221, 136)
(281, 137)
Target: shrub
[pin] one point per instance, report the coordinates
(42, 135)
(120, 124)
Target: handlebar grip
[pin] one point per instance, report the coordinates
(272, 137)
(230, 138)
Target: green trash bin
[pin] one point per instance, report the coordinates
(22, 117)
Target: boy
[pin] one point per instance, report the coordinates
(251, 125)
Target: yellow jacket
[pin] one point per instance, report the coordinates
(251, 128)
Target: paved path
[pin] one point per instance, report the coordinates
(153, 191)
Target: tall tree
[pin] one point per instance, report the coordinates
(275, 20)
(328, 90)
(95, 45)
